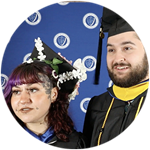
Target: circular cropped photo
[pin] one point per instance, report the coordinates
(78, 75)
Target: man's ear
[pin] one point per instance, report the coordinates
(54, 94)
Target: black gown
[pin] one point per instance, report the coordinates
(76, 141)
(107, 116)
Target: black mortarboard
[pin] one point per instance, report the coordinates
(67, 75)
(118, 26)
(113, 24)
(50, 55)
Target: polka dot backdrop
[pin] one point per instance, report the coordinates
(72, 29)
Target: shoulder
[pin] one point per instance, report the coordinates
(76, 141)
(79, 139)
(100, 102)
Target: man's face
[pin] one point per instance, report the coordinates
(126, 59)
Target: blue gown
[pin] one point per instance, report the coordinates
(46, 137)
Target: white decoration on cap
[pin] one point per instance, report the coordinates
(29, 61)
(38, 45)
(40, 48)
(53, 74)
(41, 57)
(73, 94)
(80, 73)
(80, 69)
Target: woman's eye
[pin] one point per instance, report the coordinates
(33, 90)
(16, 92)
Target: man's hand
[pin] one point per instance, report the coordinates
(70, 62)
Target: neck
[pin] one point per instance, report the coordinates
(147, 77)
(37, 128)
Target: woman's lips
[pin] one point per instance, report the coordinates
(26, 109)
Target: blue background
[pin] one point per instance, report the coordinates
(66, 19)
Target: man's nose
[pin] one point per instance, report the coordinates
(119, 57)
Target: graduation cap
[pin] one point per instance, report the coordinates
(67, 75)
(113, 24)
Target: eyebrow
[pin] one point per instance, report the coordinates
(127, 42)
(123, 43)
(109, 45)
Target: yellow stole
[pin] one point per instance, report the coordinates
(130, 93)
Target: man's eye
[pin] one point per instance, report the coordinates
(127, 48)
(110, 50)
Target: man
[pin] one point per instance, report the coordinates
(113, 111)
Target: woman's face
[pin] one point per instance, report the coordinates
(31, 102)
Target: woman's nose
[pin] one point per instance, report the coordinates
(25, 97)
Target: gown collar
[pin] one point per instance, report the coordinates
(46, 137)
(126, 94)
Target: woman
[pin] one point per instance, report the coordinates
(38, 93)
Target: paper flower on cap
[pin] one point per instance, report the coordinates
(40, 48)
(29, 61)
(81, 70)
(80, 73)
(41, 57)
(73, 94)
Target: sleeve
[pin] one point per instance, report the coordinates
(88, 127)
(82, 141)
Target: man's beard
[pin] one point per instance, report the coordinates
(134, 77)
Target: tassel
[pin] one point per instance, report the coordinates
(99, 55)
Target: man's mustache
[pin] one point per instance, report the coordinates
(121, 64)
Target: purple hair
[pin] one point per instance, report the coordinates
(58, 117)
(26, 73)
